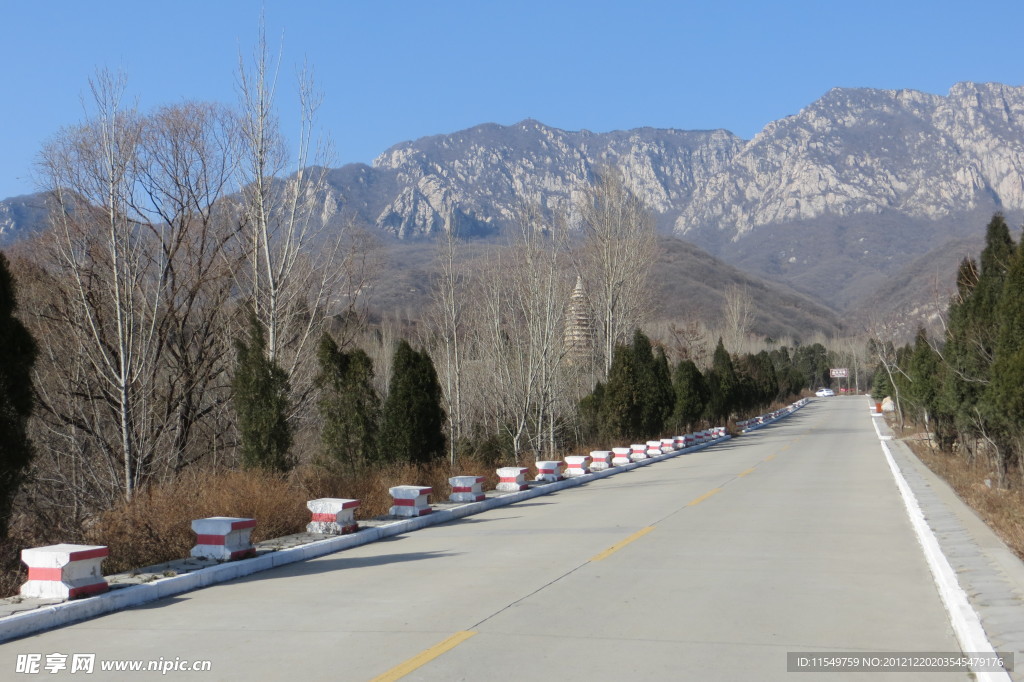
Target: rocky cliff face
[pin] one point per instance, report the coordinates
(473, 181)
(862, 152)
(21, 215)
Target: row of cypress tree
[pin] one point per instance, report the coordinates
(643, 399)
(357, 427)
(968, 387)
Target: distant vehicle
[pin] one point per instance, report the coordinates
(825, 393)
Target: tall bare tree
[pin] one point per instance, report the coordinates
(737, 316)
(520, 302)
(134, 292)
(448, 319)
(111, 279)
(616, 259)
(293, 275)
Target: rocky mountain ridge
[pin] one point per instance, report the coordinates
(841, 195)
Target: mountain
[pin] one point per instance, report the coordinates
(833, 201)
(20, 216)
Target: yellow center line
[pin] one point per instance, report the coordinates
(615, 548)
(704, 497)
(769, 458)
(748, 471)
(424, 657)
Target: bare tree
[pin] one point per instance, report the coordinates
(616, 258)
(520, 302)
(108, 266)
(296, 272)
(448, 320)
(134, 292)
(738, 316)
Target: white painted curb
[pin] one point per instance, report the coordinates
(963, 617)
(55, 615)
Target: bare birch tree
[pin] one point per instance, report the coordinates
(448, 319)
(616, 259)
(105, 258)
(294, 270)
(737, 316)
(520, 304)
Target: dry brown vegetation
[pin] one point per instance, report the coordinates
(1001, 508)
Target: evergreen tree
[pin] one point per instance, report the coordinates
(691, 393)
(17, 356)
(620, 408)
(261, 404)
(638, 396)
(973, 328)
(925, 388)
(1003, 401)
(412, 424)
(722, 384)
(348, 404)
(659, 398)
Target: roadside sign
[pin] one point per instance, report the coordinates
(839, 373)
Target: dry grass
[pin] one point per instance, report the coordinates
(156, 526)
(1001, 509)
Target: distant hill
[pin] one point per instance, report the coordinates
(687, 284)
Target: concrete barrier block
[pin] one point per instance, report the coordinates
(467, 488)
(223, 538)
(410, 501)
(638, 452)
(549, 471)
(577, 465)
(512, 479)
(668, 445)
(600, 460)
(332, 516)
(64, 571)
(620, 456)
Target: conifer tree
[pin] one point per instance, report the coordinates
(261, 404)
(413, 420)
(17, 356)
(349, 405)
(691, 393)
(620, 407)
(973, 328)
(1003, 401)
(722, 384)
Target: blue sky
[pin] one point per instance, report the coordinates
(392, 71)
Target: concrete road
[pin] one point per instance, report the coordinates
(710, 566)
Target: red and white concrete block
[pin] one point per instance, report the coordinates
(64, 571)
(689, 440)
(332, 516)
(638, 451)
(668, 445)
(467, 488)
(653, 448)
(512, 479)
(577, 465)
(548, 471)
(410, 500)
(678, 443)
(223, 538)
(620, 456)
(600, 460)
